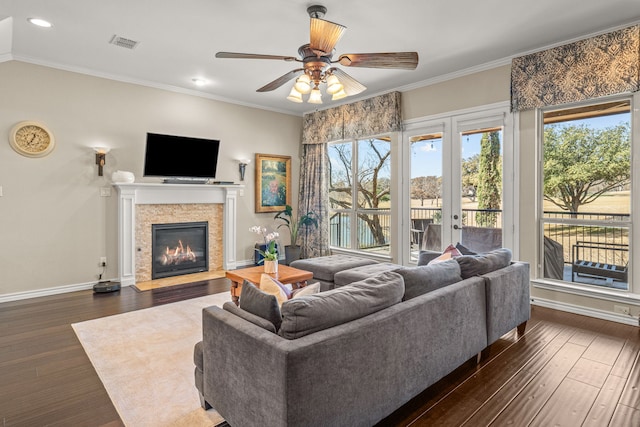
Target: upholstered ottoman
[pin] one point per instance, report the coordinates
(356, 274)
(324, 268)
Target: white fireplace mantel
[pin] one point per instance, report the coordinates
(130, 195)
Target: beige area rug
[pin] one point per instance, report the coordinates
(144, 359)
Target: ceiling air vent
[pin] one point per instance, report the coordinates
(123, 42)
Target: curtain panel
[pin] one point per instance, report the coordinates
(314, 175)
(373, 116)
(603, 65)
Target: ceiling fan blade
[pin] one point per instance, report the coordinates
(324, 36)
(281, 80)
(351, 85)
(404, 60)
(253, 56)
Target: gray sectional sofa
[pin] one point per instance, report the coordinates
(352, 355)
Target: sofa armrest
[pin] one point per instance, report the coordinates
(508, 299)
(241, 361)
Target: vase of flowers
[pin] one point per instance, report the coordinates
(267, 252)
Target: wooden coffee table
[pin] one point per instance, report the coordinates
(287, 275)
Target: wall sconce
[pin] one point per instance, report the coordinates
(242, 166)
(101, 155)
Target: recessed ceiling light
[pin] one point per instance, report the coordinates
(199, 82)
(40, 22)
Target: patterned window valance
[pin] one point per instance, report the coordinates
(371, 116)
(322, 126)
(604, 65)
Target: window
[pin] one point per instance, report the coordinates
(586, 194)
(360, 195)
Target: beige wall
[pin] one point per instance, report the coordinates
(482, 88)
(54, 226)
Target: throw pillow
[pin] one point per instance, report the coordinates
(311, 289)
(424, 257)
(426, 278)
(464, 250)
(477, 265)
(304, 316)
(256, 320)
(448, 253)
(273, 287)
(260, 303)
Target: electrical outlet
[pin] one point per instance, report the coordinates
(103, 261)
(622, 309)
(105, 191)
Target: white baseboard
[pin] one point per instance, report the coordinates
(245, 263)
(585, 311)
(46, 292)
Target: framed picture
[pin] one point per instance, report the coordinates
(273, 182)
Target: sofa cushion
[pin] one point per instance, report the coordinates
(323, 268)
(356, 274)
(249, 317)
(476, 265)
(313, 313)
(426, 278)
(260, 304)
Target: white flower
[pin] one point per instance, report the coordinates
(257, 229)
(272, 236)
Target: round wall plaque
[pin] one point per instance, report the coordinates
(31, 139)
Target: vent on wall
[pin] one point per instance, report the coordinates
(123, 42)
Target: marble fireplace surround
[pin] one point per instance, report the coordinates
(130, 195)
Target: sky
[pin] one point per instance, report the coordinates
(426, 156)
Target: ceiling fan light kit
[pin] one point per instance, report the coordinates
(315, 97)
(333, 85)
(294, 96)
(303, 84)
(316, 58)
(339, 95)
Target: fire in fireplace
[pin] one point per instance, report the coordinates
(179, 248)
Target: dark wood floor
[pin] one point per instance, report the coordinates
(567, 370)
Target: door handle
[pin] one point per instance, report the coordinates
(455, 217)
(455, 227)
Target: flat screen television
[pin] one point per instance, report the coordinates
(180, 157)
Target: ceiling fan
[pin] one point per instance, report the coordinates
(317, 60)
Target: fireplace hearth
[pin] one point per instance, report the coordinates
(179, 248)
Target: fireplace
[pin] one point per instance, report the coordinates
(140, 205)
(179, 248)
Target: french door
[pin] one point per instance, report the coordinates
(460, 182)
